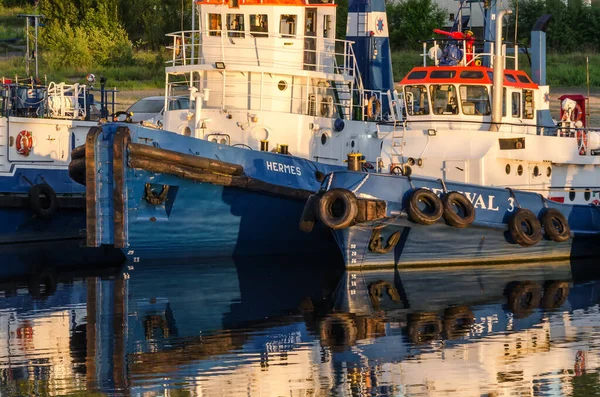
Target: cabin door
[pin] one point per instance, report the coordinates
(310, 39)
(455, 170)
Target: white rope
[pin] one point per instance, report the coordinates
(329, 182)
(361, 183)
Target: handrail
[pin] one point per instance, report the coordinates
(255, 48)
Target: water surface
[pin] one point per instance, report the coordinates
(282, 327)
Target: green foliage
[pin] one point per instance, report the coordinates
(573, 28)
(83, 33)
(412, 20)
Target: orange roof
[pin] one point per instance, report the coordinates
(311, 3)
(465, 75)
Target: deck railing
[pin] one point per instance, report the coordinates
(281, 51)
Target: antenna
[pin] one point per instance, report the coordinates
(31, 55)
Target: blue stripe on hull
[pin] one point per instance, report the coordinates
(208, 220)
(57, 178)
(440, 243)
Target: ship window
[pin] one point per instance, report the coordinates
(523, 79)
(442, 74)
(259, 25)
(417, 102)
(235, 23)
(471, 74)
(490, 75)
(516, 104)
(527, 104)
(287, 25)
(503, 101)
(510, 77)
(417, 75)
(214, 24)
(234, 4)
(327, 31)
(444, 98)
(475, 100)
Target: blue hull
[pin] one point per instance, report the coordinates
(201, 219)
(486, 240)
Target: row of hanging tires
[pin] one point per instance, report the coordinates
(338, 209)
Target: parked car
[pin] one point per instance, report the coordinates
(152, 108)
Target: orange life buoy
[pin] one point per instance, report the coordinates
(24, 142)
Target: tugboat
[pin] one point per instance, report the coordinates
(40, 126)
(465, 150)
(275, 104)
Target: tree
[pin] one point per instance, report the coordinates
(413, 20)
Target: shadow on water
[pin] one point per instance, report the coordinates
(293, 326)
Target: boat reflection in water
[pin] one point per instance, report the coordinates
(304, 328)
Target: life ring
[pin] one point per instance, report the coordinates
(156, 198)
(433, 211)
(309, 214)
(376, 242)
(523, 297)
(555, 294)
(524, 228)
(373, 107)
(424, 327)
(337, 208)
(42, 200)
(555, 224)
(24, 142)
(466, 212)
(456, 321)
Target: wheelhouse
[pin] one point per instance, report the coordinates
(447, 93)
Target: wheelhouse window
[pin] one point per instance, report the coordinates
(527, 104)
(444, 99)
(475, 100)
(259, 25)
(214, 24)
(235, 25)
(417, 101)
(516, 105)
(287, 25)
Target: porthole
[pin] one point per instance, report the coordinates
(520, 170)
(536, 171)
(282, 85)
(352, 144)
(411, 161)
(323, 139)
(507, 169)
(571, 194)
(587, 194)
(548, 172)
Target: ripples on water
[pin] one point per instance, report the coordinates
(299, 328)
